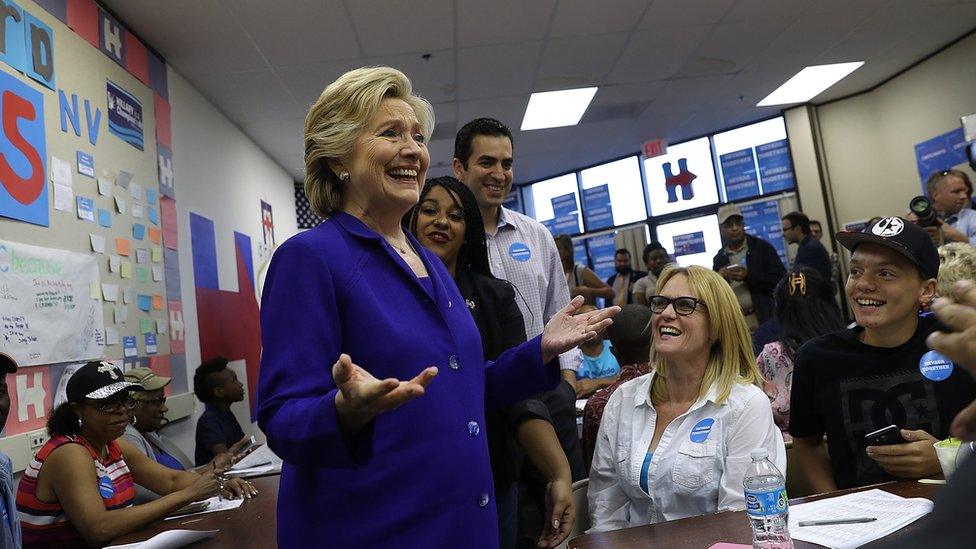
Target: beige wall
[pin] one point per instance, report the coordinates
(869, 140)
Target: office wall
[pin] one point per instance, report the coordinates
(869, 140)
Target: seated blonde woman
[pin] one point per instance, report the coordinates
(957, 261)
(675, 443)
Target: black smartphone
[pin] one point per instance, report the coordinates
(885, 436)
(251, 444)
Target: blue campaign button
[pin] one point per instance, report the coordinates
(105, 487)
(474, 428)
(701, 430)
(520, 252)
(934, 366)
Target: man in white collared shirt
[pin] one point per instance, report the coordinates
(697, 467)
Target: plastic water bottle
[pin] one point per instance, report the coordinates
(766, 503)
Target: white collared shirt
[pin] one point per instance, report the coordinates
(698, 465)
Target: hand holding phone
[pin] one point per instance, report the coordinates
(885, 436)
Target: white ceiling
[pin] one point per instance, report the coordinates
(666, 68)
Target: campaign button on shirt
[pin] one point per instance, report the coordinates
(701, 430)
(483, 499)
(474, 428)
(105, 487)
(935, 366)
(520, 252)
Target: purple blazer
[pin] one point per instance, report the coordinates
(418, 476)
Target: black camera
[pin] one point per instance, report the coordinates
(922, 208)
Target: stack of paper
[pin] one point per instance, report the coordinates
(259, 462)
(892, 513)
(217, 503)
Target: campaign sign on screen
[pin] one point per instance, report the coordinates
(579, 252)
(739, 174)
(567, 223)
(602, 249)
(763, 219)
(23, 152)
(564, 204)
(775, 166)
(596, 208)
(691, 243)
(124, 115)
(940, 153)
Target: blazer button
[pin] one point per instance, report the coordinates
(474, 428)
(453, 361)
(483, 499)
(449, 304)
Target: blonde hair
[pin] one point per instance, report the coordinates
(957, 262)
(336, 120)
(730, 358)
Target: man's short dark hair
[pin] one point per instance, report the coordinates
(630, 334)
(653, 245)
(204, 381)
(815, 222)
(623, 251)
(478, 126)
(799, 219)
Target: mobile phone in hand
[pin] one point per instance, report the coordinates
(251, 444)
(885, 436)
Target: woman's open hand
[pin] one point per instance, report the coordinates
(566, 329)
(361, 396)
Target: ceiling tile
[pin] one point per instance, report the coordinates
(687, 94)
(432, 77)
(878, 33)
(307, 82)
(741, 42)
(390, 28)
(684, 13)
(318, 30)
(508, 110)
(583, 17)
(656, 54)
(265, 99)
(802, 41)
(481, 23)
(751, 10)
(493, 71)
(577, 62)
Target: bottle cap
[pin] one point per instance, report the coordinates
(761, 453)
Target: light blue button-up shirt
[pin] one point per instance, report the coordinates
(964, 222)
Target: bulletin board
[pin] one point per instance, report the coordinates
(88, 262)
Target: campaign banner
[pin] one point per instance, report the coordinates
(23, 150)
(579, 252)
(602, 249)
(597, 211)
(763, 219)
(567, 223)
(940, 153)
(564, 204)
(739, 175)
(51, 308)
(775, 166)
(689, 244)
(124, 115)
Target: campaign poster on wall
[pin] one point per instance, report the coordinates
(763, 219)
(682, 179)
(692, 241)
(51, 305)
(775, 166)
(739, 174)
(602, 249)
(940, 153)
(597, 211)
(124, 115)
(689, 243)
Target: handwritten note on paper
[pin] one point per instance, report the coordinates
(47, 313)
(892, 513)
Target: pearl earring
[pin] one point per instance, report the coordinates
(344, 176)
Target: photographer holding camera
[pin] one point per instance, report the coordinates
(945, 215)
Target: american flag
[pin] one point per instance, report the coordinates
(307, 219)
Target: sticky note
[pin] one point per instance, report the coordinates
(153, 215)
(104, 186)
(111, 336)
(146, 325)
(157, 272)
(151, 196)
(121, 314)
(155, 235)
(97, 243)
(142, 274)
(137, 210)
(95, 290)
(142, 255)
(135, 190)
(123, 179)
(120, 204)
(114, 263)
(138, 231)
(128, 294)
(157, 254)
(145, 303)
(123, 246)
(161, 326)
(104, 218)
(126, 269)
(157, 302)
(110, 292)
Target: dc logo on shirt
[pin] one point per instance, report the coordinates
(520, 252)
(701, 430)
(105, 487)
(935, 366)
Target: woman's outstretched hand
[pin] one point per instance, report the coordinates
(361, 396)
(566, 329)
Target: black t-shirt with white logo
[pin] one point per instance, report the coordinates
(846, 389)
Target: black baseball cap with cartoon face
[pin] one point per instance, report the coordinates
(902, 236)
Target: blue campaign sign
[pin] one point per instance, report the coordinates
(579, 252)
(597, 211)
(514, 201)
(763, 219)
(564, 204)
(124, 115)
(739, 174)
(550, 225)
(602, 249)
(567, 223)
(688, 244)
(775, 166)
(940, 153)
(128, 346)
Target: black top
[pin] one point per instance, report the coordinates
(215, 427)
(496, 313)
(846, 389)
(634, 277)
(765, 271)
(813, 254)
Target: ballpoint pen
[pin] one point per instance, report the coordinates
(836, 521)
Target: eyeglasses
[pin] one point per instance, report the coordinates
(114, 406)
(683, 305)
(158, 401)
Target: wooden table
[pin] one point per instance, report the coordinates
(732, 527)
(252, 524)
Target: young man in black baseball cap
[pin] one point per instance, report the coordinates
(850, 383)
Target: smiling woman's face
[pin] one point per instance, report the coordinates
(441, 225)
(676, 336)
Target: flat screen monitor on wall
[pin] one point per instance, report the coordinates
(754, 160)
(613, 194)
(682, 179)
(556, 204)
(691, 241)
